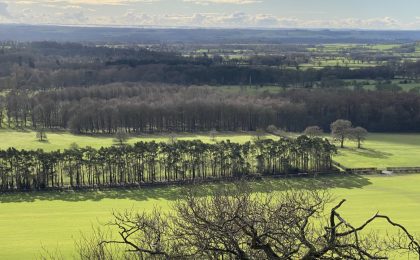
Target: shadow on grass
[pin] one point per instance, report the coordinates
(172, 193)
(400, 139)
(369, 153)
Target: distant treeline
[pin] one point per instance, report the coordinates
(165, 108)
(48, 65)
(145, 163)
(29, 33)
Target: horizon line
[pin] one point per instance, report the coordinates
(209, 27)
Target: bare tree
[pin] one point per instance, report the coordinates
(213, 134)
(313, 131)
(235, 223)
(172, 138)
(41, 135)
(359, 135)
(2, 107)
(340, 130)
(259, 134)
(272, 129)
(121, 137)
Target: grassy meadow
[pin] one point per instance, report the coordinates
(56, 220)
(381, 151)
(63, 140)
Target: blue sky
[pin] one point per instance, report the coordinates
(365, 14)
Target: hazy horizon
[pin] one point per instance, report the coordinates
(267, 14)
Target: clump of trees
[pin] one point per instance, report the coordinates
(121, 137)
(313, 131)
(342, 130)
(234, 223)
(151, 162)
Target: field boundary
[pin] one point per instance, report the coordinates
(373, 170)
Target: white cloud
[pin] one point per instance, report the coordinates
(81, 2)
(3, 10)
(243, 20)
(90, 12)
(237, 2)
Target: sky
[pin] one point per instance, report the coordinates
(341, 14)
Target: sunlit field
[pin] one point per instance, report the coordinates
(63, 140)
(56, 220)
(381, 151)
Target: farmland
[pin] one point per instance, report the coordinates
(183, 113)
(55, 220)
(383, 150)
(63, 140)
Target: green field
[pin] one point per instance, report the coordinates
(30, 221)
(63, 140)
(381, 151)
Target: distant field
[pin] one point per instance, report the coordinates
(320, 63)
(250, 90)
(382, 150)
(63, 140)
(30, 221)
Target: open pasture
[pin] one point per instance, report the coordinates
(55, 220)
(381, 151)
(63, 140)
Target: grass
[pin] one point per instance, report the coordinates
(30, 221)
(250, 90)
(381, 151)
(63, 140)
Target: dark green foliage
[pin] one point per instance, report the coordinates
(160, 162)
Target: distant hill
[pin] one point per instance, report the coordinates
(155, 35)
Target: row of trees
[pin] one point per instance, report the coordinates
(161, 162)
(167, 108)
(340, 131)
(173, 109)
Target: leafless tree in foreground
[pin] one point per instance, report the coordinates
(238, 224)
